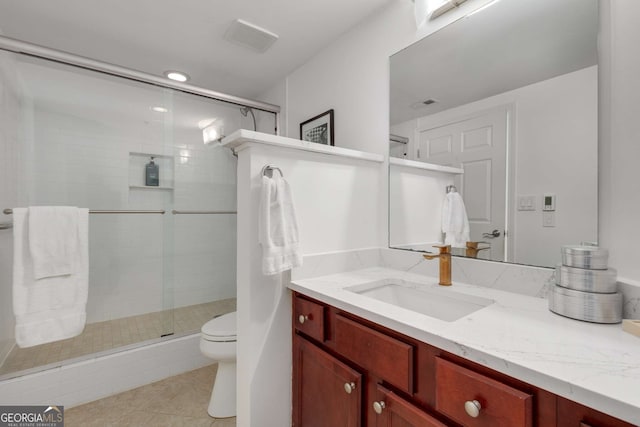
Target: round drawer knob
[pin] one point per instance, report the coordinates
(472, 407)
(378, 407)
(302, 318)
(349, 387)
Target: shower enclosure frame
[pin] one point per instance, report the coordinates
(37, 51)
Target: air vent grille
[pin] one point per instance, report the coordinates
(251, 36)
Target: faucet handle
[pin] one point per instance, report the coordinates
(444, 249)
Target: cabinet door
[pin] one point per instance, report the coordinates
(393, 411)
(326, 392)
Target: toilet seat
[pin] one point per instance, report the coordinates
(221, 329)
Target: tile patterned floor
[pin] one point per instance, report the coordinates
(116, 333)
(176, 401)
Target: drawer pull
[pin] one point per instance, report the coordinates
(472, 407)
(349, 387)
(302, 318)
(378, 407)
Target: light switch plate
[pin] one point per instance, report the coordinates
(526, 203)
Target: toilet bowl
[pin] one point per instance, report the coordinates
(218, 341)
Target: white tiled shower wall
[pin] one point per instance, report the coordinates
(85, 162)
(81, 157)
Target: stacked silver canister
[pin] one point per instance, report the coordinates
(586, 289)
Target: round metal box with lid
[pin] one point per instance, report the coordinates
(585, 256)
(581, 279)
(587, 306)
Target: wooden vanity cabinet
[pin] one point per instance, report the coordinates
(348, 371)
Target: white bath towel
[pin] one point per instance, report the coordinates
(53, 237)
(51, 308)
(278, 227)
(455, 223)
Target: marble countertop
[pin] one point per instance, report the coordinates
(595, 365)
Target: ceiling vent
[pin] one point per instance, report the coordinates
(250, 36)
(424, 103)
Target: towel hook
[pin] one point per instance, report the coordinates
(271, 168)
(451, 189)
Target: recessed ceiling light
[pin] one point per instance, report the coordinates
(160, 109)
(176, 75)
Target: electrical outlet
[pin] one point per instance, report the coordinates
(549, 219)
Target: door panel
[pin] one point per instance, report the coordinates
(477, 144)
(320, 396)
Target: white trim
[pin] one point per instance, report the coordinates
(241, 139)
(426, 166)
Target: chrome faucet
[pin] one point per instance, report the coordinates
(445, 263)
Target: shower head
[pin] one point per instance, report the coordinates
(245, 112)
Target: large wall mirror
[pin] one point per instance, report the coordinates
(501, 104)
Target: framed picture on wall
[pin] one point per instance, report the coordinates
(318, 129)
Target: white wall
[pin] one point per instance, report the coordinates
(620, 137)
(415, 205)
(555, 151)
(337, 204)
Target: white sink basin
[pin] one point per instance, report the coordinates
(440, 302)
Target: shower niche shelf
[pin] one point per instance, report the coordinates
(137, 163)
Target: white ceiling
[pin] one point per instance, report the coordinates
(511, 44)
(158, 35)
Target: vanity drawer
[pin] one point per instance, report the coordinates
(308, 317)
(459, 390)
(380, 354)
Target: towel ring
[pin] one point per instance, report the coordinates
(271, 168)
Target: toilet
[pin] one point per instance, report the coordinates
(218, 341)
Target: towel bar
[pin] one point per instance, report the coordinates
(161, 212)
(175, 212)
(271, 168)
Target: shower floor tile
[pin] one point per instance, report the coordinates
(181, 400)
(102, 336)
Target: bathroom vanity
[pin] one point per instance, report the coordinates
(362, 358)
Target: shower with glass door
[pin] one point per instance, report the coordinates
(143, 155)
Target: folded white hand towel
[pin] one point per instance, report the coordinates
(455, 224)
(278, 227)
(51, 308)
(53, 237)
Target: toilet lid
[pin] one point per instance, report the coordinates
(223, 326)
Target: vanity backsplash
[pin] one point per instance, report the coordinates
(519, 279)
